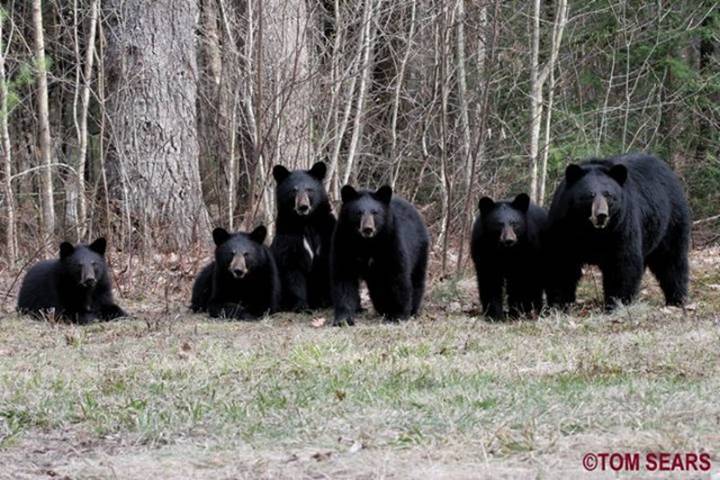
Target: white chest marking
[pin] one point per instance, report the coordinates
(308, 249)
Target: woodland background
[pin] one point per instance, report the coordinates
(150, 121)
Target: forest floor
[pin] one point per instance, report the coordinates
(446, 395)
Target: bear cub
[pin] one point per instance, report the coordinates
(379, 238)
(622, 214)
(242, 282)
(76, 286)
(302, 237)
(507, 252)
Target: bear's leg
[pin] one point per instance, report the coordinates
(294, 291)
(227, 310)
(392, 296)
(563, 280)
(85, 317)
(621, 278)
(536, 300)
(518, 298)
(111, 311)
(670, 267)
(491, 295)
(346, 299)
(418, 284)
(319, 288)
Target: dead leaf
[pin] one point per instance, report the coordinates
(356, 447)
(320, 456)
(340, 395)
(186, 347)
(318, 322)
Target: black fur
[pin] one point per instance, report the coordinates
(222, 294)
(514, 263)
(77, 286)
(648, 226)
(392, 261)
(302, 242)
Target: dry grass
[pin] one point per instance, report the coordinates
(172, 395)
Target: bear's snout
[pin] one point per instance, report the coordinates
(87, 277)
(238, 267)
(508, 238)
(302, 203)
(367, 225)
(600, 212)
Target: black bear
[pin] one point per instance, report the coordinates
(76, 287)
(242, 282)
(621, 214)
(506, 249)
(379, 238)
(303, 232)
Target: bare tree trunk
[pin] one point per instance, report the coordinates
(535, 100)
(707, 48)
(48, 207)
(538, 77)
(462, 92)
(152, 88)
(365, 68)
(83, 120)
(10, 241)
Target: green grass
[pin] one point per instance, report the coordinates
(442, 395)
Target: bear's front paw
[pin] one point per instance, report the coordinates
(343, 321)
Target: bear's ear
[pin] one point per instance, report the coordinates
(98, 246)
(573, 173)
(384, 194)
(258, 235)
(66, 249)
(348, 194)
(618, 173)
(521, 202)
(220, 236)
(280, 173)
(486, 204)
(318, 171)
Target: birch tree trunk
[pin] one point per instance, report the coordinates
(538, 77)
(83, 120)
(152, 87)
(45, 154)
(5, 153)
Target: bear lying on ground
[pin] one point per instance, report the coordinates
(242, 282)
(621, 214)
(506, 250)
(76, 287)
(379, 238)
(302, 238)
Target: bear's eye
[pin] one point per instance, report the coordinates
(246, 254)
(374, 211)
(309, 190)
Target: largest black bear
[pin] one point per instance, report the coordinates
(381, 239)
(76, 287)
(302, 237)
(622, 214)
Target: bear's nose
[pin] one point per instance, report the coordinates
(367, 231)
(602, 219)
(507, 242)
(303, 208)
(238, 273)
(88, 282)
